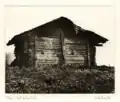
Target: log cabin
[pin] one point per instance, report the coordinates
(57, 42)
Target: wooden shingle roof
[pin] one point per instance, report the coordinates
(69, 28)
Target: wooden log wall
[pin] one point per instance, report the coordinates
(47, 50)
(31, 49)
(76, 51)
(93, 55)
(22, 54)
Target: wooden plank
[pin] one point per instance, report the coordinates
(31, 50)
(74, 62)
(89, 64)
(41, 39)
(48, 61)
(47, 58)
(50, 42)
(40, 62)
(48, 48)
(75, 40)
(75, 47)
(37, 64)
(74, 58)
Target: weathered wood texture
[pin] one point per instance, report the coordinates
(47, 50)
(76, 51)
(57, 42)
(92, 55)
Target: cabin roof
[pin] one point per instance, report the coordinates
(68, 27)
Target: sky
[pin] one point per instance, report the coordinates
(98, 19)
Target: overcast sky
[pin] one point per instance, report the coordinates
(98, 19)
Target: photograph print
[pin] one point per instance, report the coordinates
(59, 50)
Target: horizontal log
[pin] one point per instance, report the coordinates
(47, 49)
(45, 58)
(47, 62)
(53, 62)
(46, 38)
(75, 62)
(80, 57)
(47, 42)
(75, 47)
(43, 40)
(67, 61)
(45, 54)
(46, 45)
(75, 40)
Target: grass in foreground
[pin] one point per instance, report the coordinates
(56, 79)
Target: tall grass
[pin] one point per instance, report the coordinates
(60, 79)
